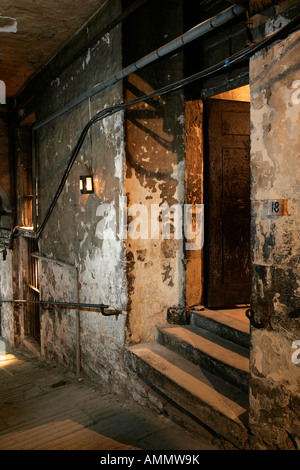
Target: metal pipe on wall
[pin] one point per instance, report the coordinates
(192, 34)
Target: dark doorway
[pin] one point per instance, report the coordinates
(227, 203)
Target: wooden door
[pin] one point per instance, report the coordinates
(227, 206)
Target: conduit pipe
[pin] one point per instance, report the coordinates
(191, 35)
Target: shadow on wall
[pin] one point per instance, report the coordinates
(158, 128)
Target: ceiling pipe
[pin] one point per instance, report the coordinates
(191, 35)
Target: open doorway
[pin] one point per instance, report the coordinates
(227, 201)
(218, 175)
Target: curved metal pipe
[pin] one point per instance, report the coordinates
(194, 33)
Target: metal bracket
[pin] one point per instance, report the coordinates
(250, 315)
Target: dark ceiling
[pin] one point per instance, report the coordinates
(33, 31)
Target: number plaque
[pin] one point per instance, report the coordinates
(277, 207)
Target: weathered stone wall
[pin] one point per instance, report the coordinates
(78, 232)
(5, 174)
(6, 292)
(154, 172)
(6, 311)
(275, 144)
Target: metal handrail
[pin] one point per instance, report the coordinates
(101, 307)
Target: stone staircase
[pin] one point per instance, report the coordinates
(202, 369)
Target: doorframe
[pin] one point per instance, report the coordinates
(206, 187)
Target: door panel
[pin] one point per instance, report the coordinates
(228, 203)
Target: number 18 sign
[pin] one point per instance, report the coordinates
(277, 207)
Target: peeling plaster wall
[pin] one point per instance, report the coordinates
(78, 231)
(155, 175)
(58, 326)
(5, 175)
(155, 172)
(6, 311)
(275, 144)
(6, 292)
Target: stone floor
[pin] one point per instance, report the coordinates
(44, 407)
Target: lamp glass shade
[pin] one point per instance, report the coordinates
(86, 184)
(89, 184)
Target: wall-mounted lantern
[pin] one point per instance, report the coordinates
(86, 184)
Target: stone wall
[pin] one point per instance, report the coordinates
(5, 174)
(275, 143)
(6, 292)
(154, 172)
(6, 311)
(79, 230)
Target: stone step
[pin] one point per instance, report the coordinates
(205, 349)
(226, 326)
(220, 406)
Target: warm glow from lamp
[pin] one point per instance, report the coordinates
(86, 184)
(89, 184)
